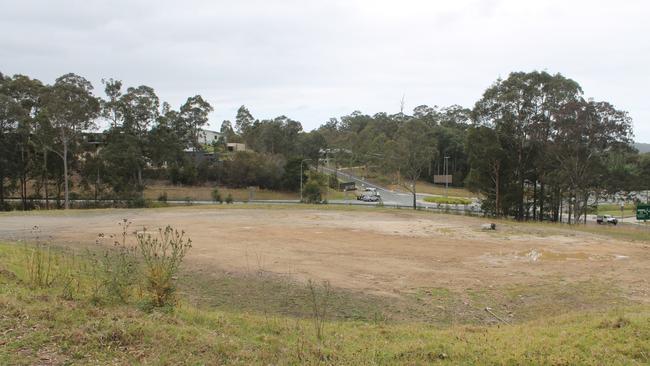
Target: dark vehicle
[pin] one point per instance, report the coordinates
(606, 219)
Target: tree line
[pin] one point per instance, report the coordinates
(50, 143)
(530, 145)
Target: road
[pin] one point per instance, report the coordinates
(388, 197)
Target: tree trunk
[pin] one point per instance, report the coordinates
(139, 176)
(45, 180)
(535, 201)
(23, 190)
(2, 189)
(521, 201)
(585, 206)
(65, 175)
(560, 203)
(497, 205)
(541, 201)
(414, 195)
(520, 214)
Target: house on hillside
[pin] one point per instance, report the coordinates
(234, 147)
(207, 137)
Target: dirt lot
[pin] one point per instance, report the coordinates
(377, 252)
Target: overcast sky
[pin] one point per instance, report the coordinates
(312, 60)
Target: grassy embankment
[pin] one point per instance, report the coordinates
(201, 193)
(65, 323)
(629, 210)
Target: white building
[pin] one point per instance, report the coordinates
(207, 137)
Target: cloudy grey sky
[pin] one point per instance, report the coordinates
(312, 60)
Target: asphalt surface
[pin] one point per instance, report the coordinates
(388, 197)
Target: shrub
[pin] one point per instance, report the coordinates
(119, 266)
(448, 200)
(162, 197)
(216, 195)
(313, 190)
(229, 198)
(162, 255)
(138, 202)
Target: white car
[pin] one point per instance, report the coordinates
(370, 197)
(606, 219)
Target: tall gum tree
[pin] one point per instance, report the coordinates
(72, 109)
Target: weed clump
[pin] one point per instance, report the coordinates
(216, 195)
(162, 255)
(618, 323)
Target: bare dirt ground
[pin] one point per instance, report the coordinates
(377, 252)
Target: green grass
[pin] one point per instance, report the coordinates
(629, 210)
(448, 200)
(38, 326)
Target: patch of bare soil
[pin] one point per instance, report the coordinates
(380, 253)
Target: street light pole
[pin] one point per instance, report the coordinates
(301, 161)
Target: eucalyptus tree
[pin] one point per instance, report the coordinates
(243, 121)
(489, 166)
(586, 132)
(410, 153)
(23, 96)
(521, 109)
(8, 122)
(194, 116)
(71, 109)
(140, 110)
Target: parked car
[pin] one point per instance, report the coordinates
(606, 219)
(370, 197)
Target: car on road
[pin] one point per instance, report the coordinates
(370, 197)
(606, 219)
(367, 192)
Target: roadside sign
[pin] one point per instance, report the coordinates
(643, 212)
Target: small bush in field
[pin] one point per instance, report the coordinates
(119, 266)
(216, 195)
(229, 198)
(162, 254)
(162, 197)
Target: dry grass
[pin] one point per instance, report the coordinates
(40, 326)
(202, 193)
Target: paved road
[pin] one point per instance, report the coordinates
(388, 197)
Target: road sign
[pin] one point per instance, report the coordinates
(643, 212)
